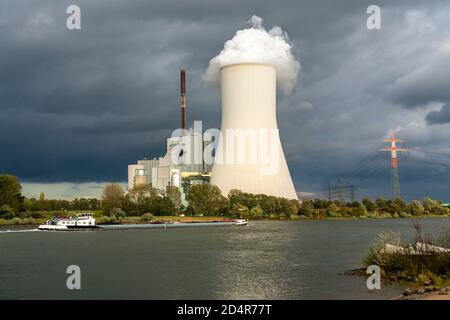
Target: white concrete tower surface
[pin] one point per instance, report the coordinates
(249, 155)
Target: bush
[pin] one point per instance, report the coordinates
(423, 266)
(404, 215)
(377, 255)
(256, 212)
(334, 214)
(106, 220)
(422, 278)
(147, 217)
(306, 208)
(16, 220)
(333, 210)
(415, 208)
(7, 212)
(29, 221)
(39, 215)
(117, 213)
(373, 214)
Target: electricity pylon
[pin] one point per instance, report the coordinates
(393, 149)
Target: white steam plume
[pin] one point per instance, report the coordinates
(260, 46)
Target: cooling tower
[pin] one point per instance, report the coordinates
(248, 97)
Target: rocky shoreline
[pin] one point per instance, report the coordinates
(425, 293)
(413, 291)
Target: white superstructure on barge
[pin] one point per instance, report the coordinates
(79, 222)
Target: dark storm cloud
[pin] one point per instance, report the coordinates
(439, 117)
(80, 105)
(426, 83)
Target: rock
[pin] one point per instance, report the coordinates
(429, 288)
(421, 291)
(427, 283)
(407, 292)
(409, 278)
(443, 292)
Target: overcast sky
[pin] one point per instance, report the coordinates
(77, 106)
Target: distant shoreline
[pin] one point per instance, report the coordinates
(138, 219)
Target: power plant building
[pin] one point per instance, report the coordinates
(248, 99)
(183, 163)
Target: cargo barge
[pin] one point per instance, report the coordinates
(86, 222)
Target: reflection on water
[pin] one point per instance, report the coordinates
(256, 264)
(265, 260)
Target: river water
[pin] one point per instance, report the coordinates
(265, 260)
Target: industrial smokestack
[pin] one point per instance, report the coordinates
(183, 98)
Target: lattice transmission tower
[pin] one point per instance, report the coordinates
(393, 149)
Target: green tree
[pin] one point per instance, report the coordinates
(370, 206)
(415, 208)
(6, 212)
(256, 212)
(10, 191)
(174, 194)
(135, 198)
(399, 204)
(240, 210)
(42, 201)
(320, 204)
(429, 205)
(112, 197)
(94, 204)
(381, 204)
(358, 209)
(206, 199)
(159, 206)
(293, 207)
(84, 204)
(306, 208)
(333, 210)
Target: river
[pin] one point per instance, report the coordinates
(265, 260)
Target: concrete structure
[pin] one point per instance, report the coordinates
(132, 168)
(162, 172)
(248, 97)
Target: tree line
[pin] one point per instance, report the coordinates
(372, 209)
(204, 199)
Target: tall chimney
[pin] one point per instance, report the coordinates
(183, 98)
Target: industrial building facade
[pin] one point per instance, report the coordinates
(164, 171)
(183, 164)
